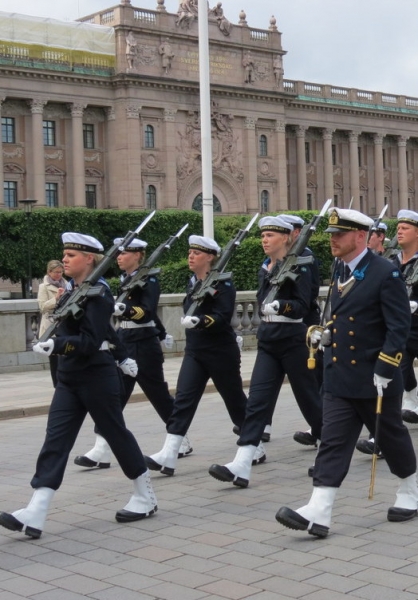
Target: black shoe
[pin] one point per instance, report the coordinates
(409, 416)
(305, 438)
(310, 471)
(401, 514)
(367, 447)
(154, 466)
(10, 522)
(265, 436)
(84, 461)
(236, 429)
(126, 516)
(293, 520)
(223, 474)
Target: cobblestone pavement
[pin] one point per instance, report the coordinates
(208, 540)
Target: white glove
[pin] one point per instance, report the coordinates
(168, 341)
(44, 348)
(120, 308)
(129, 367)
(316, 337)
(190, 322)
(413, 306)
(271, 308)
(381, 383)
(240, 341)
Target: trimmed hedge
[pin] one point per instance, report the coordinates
(47, 225)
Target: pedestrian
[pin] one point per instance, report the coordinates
(364, 342)
(88, 383)
(211, 352)
(140, 331)
(281, 349)
(49, 292)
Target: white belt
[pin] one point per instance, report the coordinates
(132, 325)
(105, 346)
(279, 319)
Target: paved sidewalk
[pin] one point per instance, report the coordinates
(208, 540)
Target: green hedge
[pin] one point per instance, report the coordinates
(47, 225)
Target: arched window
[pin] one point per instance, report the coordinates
(197, 204)
(149, 136)
(263, 145)
(265, 202)
(151, 197)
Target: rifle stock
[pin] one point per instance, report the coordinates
(392, 248)
(72, 305)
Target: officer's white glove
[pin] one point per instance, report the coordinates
(44, 348)
(272, 308)
(316, 337)
(240, 341)
(381, 383)
(168, 341)
(413, 306)
(128, 367)
(190, 322)
(120, 308)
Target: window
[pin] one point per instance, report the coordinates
(309, 202)
(361, 204)
(10, 194)
(407, 160)
(384, 157)
(197, 204)
(263, 145)
(151, 197)
(8, 135)
(334, 155)
(51, 195)
(149, 136)
(360, 158)
(49, 133)
(335, 199)
(307, 152)
(88, 136)
(91, 196)
(264, 201)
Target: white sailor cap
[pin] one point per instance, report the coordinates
(381, 228)
(204, 244)
(81, 242)
(136, 245)
(408, 216)
(293, 220)
(275, 224)
(345, 219)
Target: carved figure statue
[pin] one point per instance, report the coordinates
(186, 12)
(131, 45)
(248, 64)
(223, 23)
(278, 70)
(167, 55)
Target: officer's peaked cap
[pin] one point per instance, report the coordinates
(345, 219)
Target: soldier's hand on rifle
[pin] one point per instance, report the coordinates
(120, 308)
(190, 322)
(44, 348)
(381, 383)
(272, 308)
(168, 341)
(413, 306)
(128, 367)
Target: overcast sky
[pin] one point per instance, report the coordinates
(365, 44)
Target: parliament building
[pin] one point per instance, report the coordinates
(104, 112)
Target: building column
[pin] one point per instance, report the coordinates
(2, 99)
(170, 152)
(250, 168)
(379, 185)
(110, 185)
(328, 166)
(402, 172)
(282, 198)
(78, 175)
(134, 136)
(37, 187)
(301, 166)
(354, 169)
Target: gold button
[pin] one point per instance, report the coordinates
(351, 318)
(334, 331)
(351, 333)
(334, 359)
(334, 317)
(353, 362)
(334, 345)
(352, 347)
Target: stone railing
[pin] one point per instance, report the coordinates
(19, 322)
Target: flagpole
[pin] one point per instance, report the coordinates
(205, 120)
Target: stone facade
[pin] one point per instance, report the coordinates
(129, 136)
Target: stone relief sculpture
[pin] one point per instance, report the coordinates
(131, 45)
(186, 13)
(166, 54)
(278, 70)
(248, 64)
(218, 13)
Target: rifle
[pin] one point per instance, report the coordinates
(72, 305)
(286, 269)
(216, 274)
(391, 249)
(376, 223)
(145, 270)
(411, 278)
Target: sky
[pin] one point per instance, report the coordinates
(364, 44)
